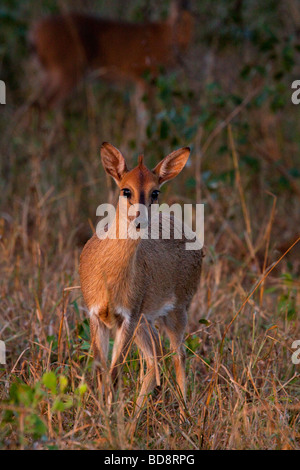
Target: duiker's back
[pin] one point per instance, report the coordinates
(68, 46)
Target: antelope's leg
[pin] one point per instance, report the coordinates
(99, 341)
(147, 340)
(122, 344)
(145, 336)
(174, 325)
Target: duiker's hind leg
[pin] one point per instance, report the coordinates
(100, 342)
(174, 325)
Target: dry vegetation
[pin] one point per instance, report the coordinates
(231, 102)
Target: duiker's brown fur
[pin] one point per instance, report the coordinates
(133, 285)
(70, 45)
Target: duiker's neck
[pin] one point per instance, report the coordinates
(118, 257)
(119, 229)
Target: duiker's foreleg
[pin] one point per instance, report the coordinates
(147, 340)
(146, 337)
(122, 344)
(174, 325)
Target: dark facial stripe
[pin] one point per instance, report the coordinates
(142, 198)
(141, 184)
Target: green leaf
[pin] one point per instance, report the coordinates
(63, 383)
(59, 405)
(82, 389)
(204, 321)
(35, 426)
(49, 380)
(193, 343)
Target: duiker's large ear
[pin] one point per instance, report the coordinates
(171, 165)
(113, 161)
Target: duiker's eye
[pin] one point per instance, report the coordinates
(154, 195)
(126, 192)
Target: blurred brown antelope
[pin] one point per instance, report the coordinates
(134, 285)
(69, 46)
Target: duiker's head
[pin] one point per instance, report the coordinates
(141, 185)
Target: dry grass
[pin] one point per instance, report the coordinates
(243, 389)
